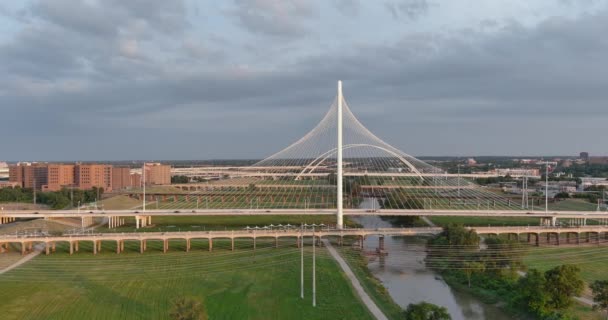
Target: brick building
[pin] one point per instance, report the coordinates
(157, 174)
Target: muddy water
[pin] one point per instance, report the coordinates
(406, 278)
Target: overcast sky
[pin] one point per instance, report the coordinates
(142, 79)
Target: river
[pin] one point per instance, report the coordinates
(406, 278)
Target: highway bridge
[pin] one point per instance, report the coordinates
(594, 234)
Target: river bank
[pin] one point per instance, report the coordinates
(405, 278)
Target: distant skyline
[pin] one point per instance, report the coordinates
(171, 80)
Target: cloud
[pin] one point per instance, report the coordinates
(279, 18)
(349, 8)
(408, 9)
(149, 74)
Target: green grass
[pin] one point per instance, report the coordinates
(202, 223)
(573, 204)
(591, 260)
(485, 221)
(233, 285)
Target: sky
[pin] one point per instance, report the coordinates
(242, 79)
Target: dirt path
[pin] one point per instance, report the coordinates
(37, 250)
(369, 303)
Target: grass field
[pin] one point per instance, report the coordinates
(233, 285)
(591, 260)
(485, 221)
(573, 204)
(200, 223)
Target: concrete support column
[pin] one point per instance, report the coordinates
(117, 246)
(94, 247)
(54, 246)
(30, 245)
(298, 241)
(47, 248)
(76, 243)
(165, 245)
(254, 244)
(232, 244)
(381, 243)
(341, 241)
(588, 237)
(136, 222)
(578, 238)
(276, 242)
(210, 244)
(537, 239)
(71, 248)
(149, 220)
(122, 245)
(22, 248)
(187, 245)
(557, 237)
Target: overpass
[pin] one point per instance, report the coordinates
(287, 212)
(27, 242)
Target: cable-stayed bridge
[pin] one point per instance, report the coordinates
(339, 167)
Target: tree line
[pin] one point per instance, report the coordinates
(493, 273)
(65, 198)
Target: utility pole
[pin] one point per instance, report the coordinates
(339, 165)
(143, 173)
(34, 188)
(302, 261)
(458, 180)
(314, 270)
(546, 186)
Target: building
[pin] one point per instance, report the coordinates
(598, 160)
(136, 179)
(157, 174)
(59, 176)
(587, 182)
(584, 156)
(121, 178)
(87, 176)
(29, 175)
(7, 184)
(516, 172)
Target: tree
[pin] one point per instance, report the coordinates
(188, 309)
(426, 311)
(600, 295)
(531, 292)
(471, 267)
(562, 283)
(180, 179)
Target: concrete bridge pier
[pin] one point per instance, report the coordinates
(76, 243)
(47, 248)
(276, 242)
(142, 246)
(232, 244)
(165, 245)
(210, 244)
(187, 245)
